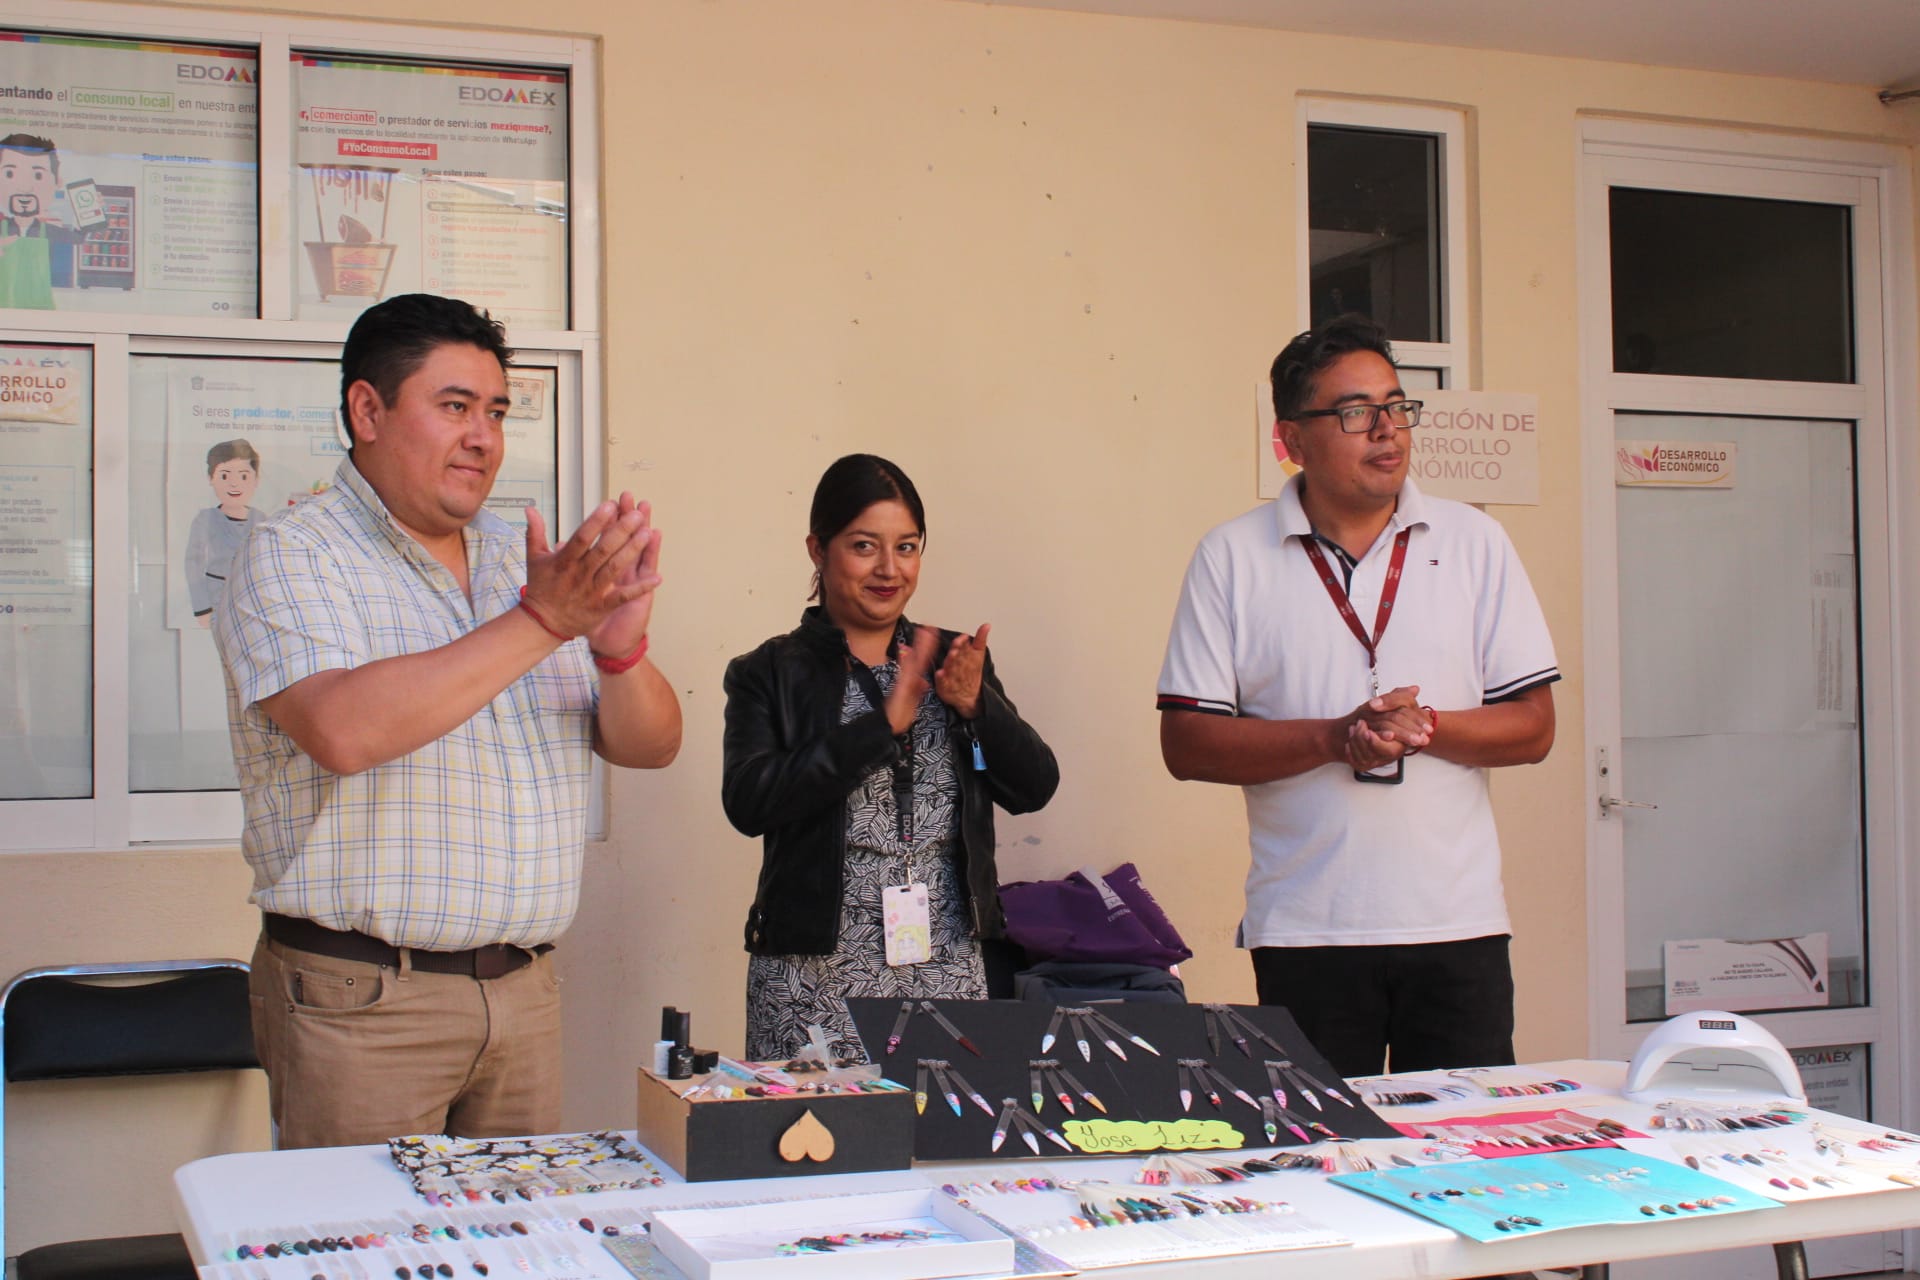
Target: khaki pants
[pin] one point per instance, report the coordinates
(359, 1053)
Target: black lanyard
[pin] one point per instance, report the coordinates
(903, 759)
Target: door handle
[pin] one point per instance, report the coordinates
(1610, 802)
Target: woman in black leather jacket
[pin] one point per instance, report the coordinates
(869, 754)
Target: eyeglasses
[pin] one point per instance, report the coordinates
(1357, 419)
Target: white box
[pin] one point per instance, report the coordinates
(737, 1243)
(1742, 977)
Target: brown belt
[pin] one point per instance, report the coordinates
(495, 961)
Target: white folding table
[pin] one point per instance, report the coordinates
(295, 1194)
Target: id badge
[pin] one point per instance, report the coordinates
(909, 931)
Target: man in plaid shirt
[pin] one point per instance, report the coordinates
(416, 692)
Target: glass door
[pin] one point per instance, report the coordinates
(1739, 714)
(1741, 694)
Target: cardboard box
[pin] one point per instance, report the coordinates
(709, 1140)
(736, 1244)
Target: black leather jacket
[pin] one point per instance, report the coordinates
(790, 764)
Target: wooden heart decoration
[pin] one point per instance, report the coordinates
(806, 1139)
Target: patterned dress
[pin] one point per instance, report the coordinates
(788, 994)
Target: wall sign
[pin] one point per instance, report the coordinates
(1674, 464)
(1471, 446)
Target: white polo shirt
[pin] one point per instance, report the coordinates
(1338, 862)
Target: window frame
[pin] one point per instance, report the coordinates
(1453, 357)
(114, 817)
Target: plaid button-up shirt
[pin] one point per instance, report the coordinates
(473, 839)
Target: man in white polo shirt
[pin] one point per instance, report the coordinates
(1355, 656)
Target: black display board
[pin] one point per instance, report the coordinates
(1140, 1091)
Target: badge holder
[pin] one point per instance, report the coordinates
(908, 924)
(1393, 779)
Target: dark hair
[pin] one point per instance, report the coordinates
(228, 450)
(392, 339)
(1295, 368)
(850, 486)
(31, 145)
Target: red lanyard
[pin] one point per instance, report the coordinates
(1338, 594)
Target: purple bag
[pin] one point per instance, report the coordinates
(1087, 917)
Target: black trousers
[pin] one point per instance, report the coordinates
(1417, 1007)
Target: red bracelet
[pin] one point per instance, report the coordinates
(535, 615)
(614, 666)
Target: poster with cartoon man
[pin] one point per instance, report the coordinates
(233, 473)
(129, 176)
(36, 245)
(244, 438)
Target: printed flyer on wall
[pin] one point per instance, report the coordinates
(46, 485)
(128, 176)
(444, 179)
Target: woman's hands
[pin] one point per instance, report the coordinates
(916, 660)
(956, 683)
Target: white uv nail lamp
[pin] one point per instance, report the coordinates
(1709, 1056)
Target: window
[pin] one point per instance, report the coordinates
(167, 370)
(1717, 286)
(46, 571)
(1383, 227)
(1373, 227)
